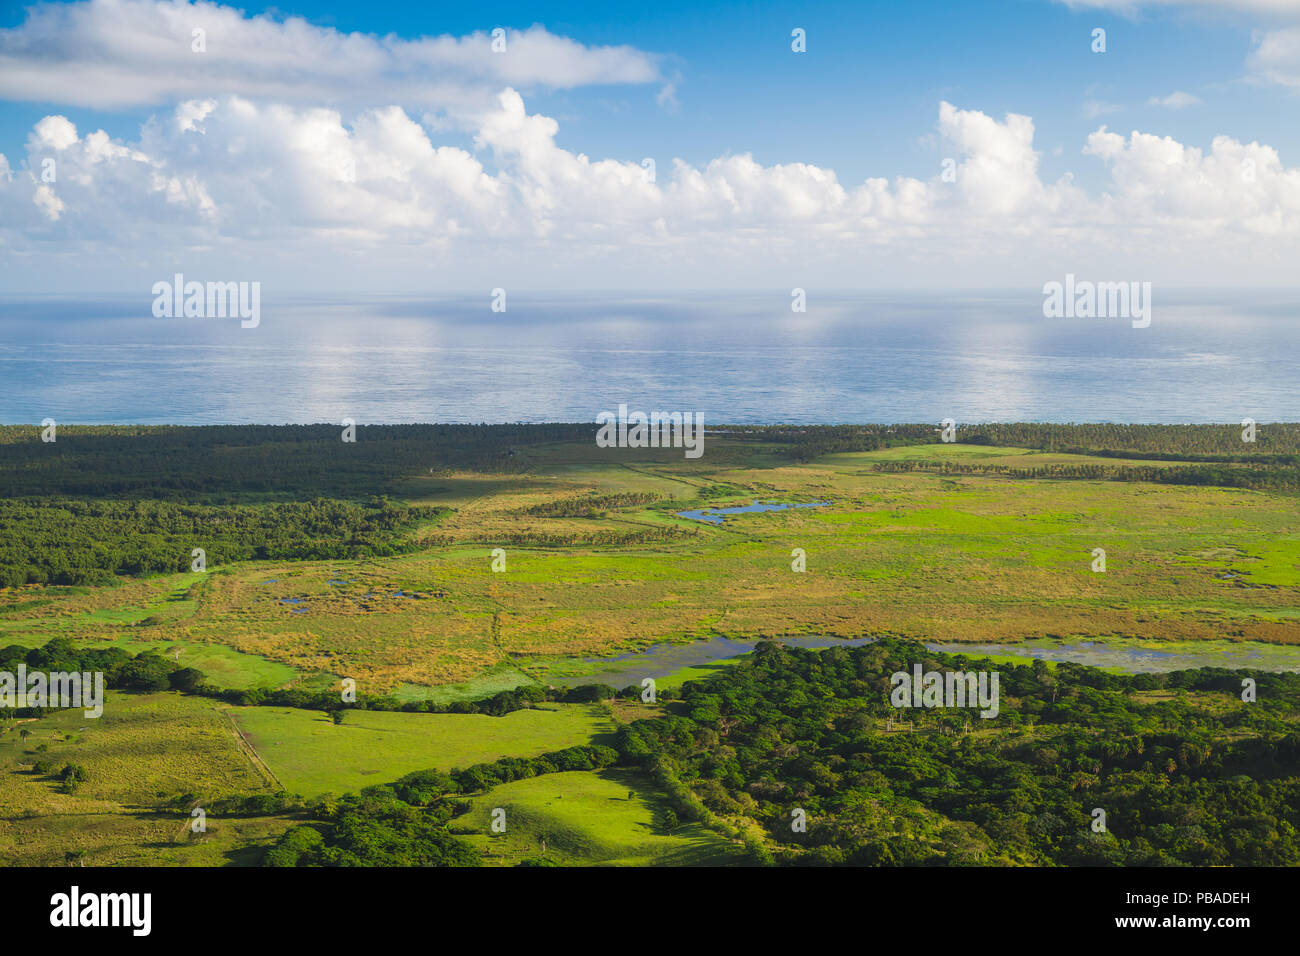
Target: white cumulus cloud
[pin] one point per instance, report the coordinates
(318, 188)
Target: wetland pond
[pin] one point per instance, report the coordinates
(715, 515)
(664, 660)
(1143, 657)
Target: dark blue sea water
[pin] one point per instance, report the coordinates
(1207, 357)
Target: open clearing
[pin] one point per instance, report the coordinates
(144, 751)
(311, 755)
(608, 818)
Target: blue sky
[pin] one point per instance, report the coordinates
(862, 102)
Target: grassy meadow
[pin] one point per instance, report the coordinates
(966, 558)
(140, 755)
(608, 818)
(310, 755)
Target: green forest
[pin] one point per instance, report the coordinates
(75, 542)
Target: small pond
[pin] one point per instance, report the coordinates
(715, 515)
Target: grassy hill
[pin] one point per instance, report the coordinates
(607, 818)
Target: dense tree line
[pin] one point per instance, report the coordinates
(497, 705)
(70, 542)
(122, 670)
(790, 728)
(374, 829)
(805, 442)
(232, 463)
(589, 506)
(1276, 478)
(1174, 442)
(1274, 443)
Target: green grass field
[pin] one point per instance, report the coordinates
(987, 560)
(311, 755)
(144, 751)
(608, 818)
(949, 558)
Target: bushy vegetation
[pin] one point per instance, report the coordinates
(1197, 779)
(122, 670)
(1174, 442)
(224, 464)
(1277, 477)
(374, 829)
(497, 705)
(589, 506)
(70, 542)
(1170, 442)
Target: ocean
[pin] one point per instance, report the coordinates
(1216, 356)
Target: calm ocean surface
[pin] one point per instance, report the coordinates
(1209, 357)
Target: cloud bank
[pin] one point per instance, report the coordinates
(112, 54)
(231, 170)
(263, 160)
